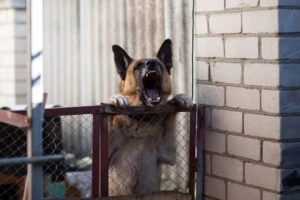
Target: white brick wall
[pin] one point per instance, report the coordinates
(207, 5)
(271, 153)
(210, 47)
(202, 70)
(211, 95)
(226, 167)
(241, 3)
(215, 142)
(201, 24)
(262, 126)
(259, 21)
(251, 54)
(270, 196)
(237, 97)
(262, 176)
(226, 72)
(261, 74)
(239, 146)
(215, 188)
(225, 23)
(241, 47)
(241, 192)
(270, 101)
(279, 2)
(227, 120)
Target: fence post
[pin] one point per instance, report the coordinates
(34, 183)
(104, 155)
(192, 151)
(200, 153)
(96, 156)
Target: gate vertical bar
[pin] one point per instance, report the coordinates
(104, 155)
(200, 152)
(35, 102)
(192, 150)
(96, 156)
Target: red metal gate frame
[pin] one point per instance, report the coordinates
(100, 141)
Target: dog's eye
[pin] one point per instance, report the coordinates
(138, 66)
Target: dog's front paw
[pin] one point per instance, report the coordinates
(182, 101)
(118, 100)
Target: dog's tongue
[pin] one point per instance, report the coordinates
(152, 94)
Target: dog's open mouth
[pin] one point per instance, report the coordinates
(152, 87)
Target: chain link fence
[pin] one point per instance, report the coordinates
(72, 177)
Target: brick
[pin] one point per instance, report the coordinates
(225, 23)
(8, 87)
(271, 153)
(207, 5)
(209, 47)
(279, 3)
(249, 46)
(10, 59)
(215, 187)
(271, 21)
(284, 101)
(7, 100)
(262, 176)
(262, 126)
(201, 24)
(7, 73)
(263, 21)
(238, 192)
(202, 70)
(227, 168)
(237, 97)
(207, 164)
(211, 95)
(241, 3)
(283, 48)
(21, 88)
(215, 142)
(227, 120)
(12, 30)
(13, 45)
(239, 146)
(261, 74)
(226, 72)
(270, 196)
(270, 48)
(270, 101)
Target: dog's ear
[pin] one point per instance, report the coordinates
(122, 60)
(165, 54)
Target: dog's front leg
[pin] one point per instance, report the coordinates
(181, 101)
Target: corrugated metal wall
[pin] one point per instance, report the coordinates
(79, 68)
(78, 60)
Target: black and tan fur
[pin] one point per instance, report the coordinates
(138, 146)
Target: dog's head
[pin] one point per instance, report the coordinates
(145, 81)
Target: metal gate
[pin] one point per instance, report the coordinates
(184, 178)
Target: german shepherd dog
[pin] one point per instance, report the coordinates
(139, 145)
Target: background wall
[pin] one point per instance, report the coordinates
(248, 76)
(12, 52)
(79, 67)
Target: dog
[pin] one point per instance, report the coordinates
(138, 145)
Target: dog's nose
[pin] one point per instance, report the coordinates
(151, 62)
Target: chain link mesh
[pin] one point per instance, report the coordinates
(151, 155)
(72, 136)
